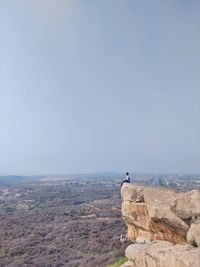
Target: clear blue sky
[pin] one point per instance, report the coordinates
(89, 86)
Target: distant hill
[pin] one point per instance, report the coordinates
(7, 179)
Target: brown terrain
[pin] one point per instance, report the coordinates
(51, 223)
(77, 221)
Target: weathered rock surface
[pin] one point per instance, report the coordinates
(163, 254)
(187, 205)
(148, 214)
(193, 235)
(163, 223)
(132, 193)
(167, 218)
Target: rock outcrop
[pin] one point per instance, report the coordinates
(187, 205)
(163, 254)
(161, 223)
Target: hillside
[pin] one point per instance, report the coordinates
(60, 222)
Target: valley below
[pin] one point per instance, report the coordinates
(73, 221)
(61, 222)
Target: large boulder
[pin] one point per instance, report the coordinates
(187, 205)
(160, 223)
(137, 219)
(149, 217)
(133, 193)
(163, 254)
(163, 223)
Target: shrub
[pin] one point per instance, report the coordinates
(118, 262)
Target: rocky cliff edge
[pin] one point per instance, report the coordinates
(163, 225)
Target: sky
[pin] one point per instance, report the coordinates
(99, 86)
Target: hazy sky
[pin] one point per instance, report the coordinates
(104, 85)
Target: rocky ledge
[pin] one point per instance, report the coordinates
(163, 225)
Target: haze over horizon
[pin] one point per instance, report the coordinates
(99, 86)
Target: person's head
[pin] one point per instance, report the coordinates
(127, 173)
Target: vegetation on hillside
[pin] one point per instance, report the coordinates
(61, 223)
(118, 262)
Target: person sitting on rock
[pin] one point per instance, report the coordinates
(127, 180)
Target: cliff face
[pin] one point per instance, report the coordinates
(157, 219)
